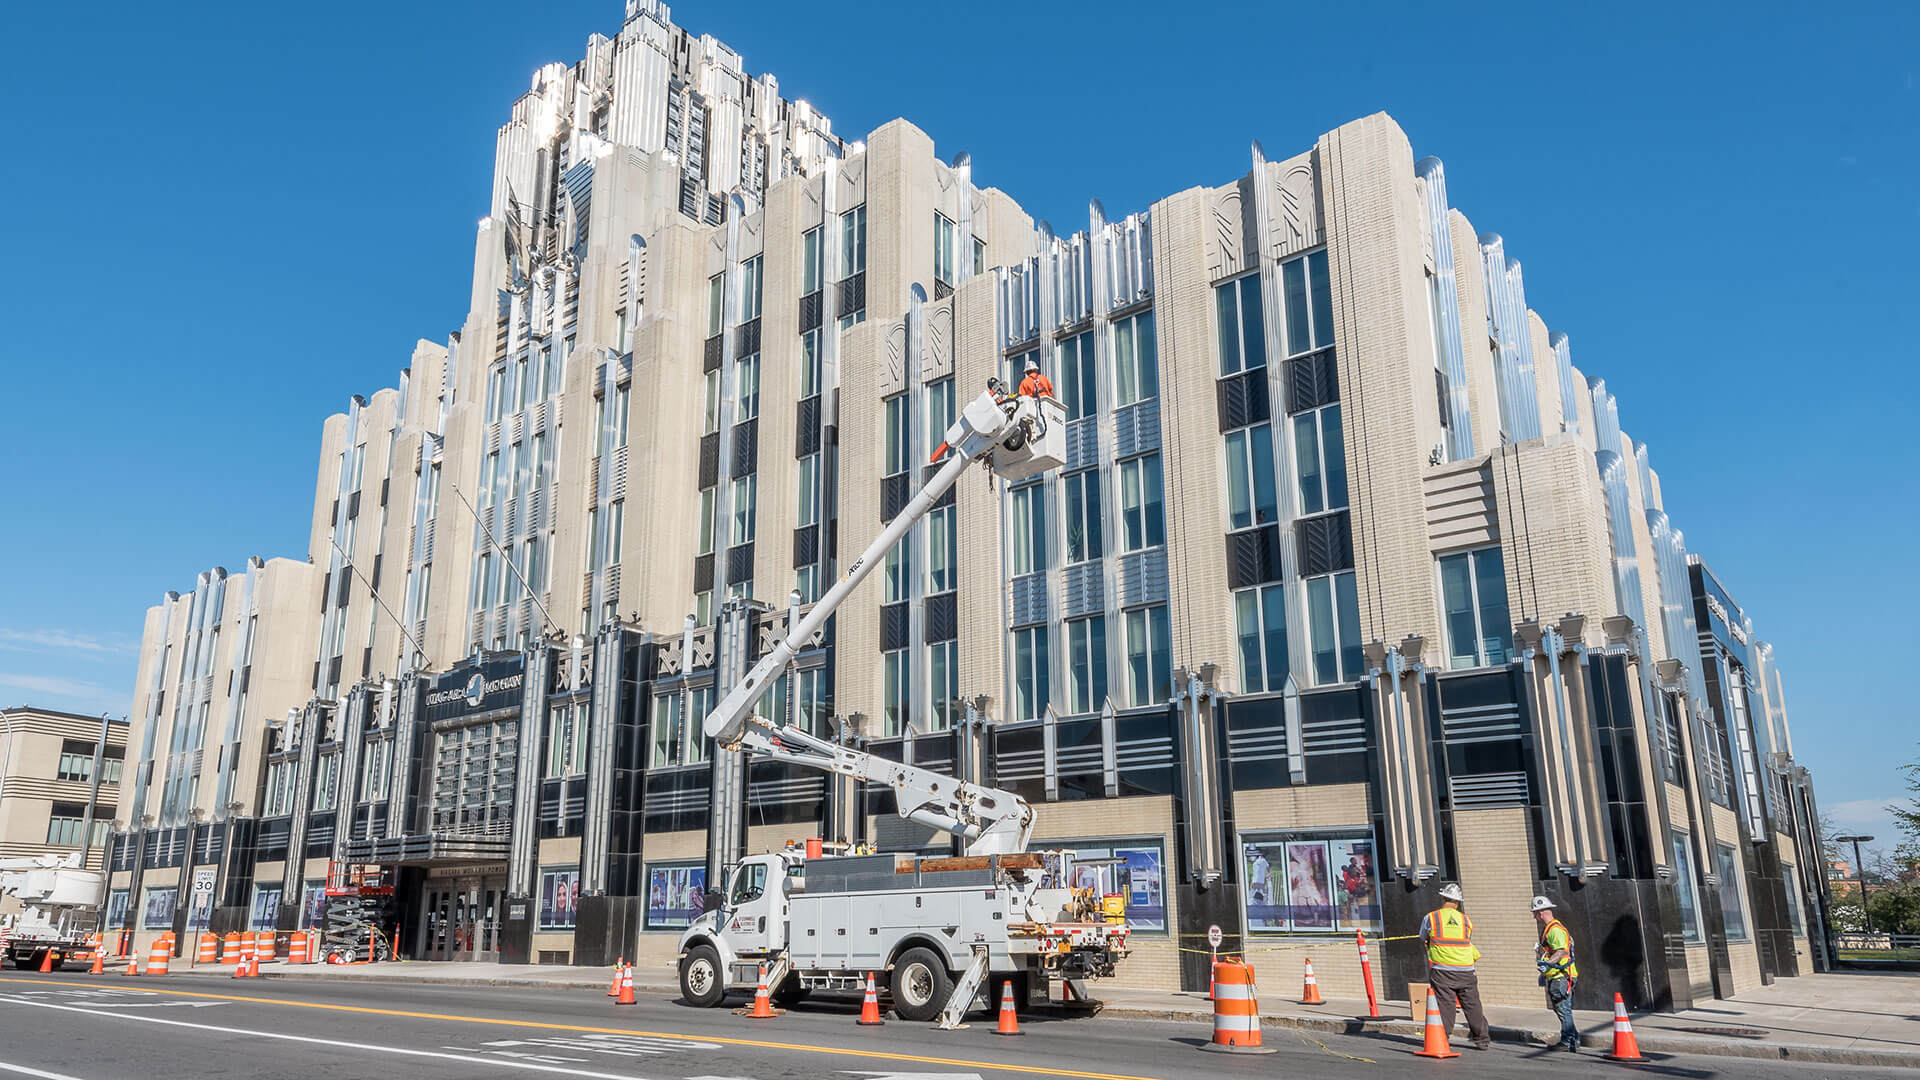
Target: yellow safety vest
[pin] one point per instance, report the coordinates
(1548, 946)
(1450, 939)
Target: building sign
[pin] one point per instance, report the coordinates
(472, 689)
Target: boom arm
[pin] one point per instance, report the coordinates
(1007, 433)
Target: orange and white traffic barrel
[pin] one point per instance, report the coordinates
(1236, 1010)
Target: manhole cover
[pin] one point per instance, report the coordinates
(1730, 1032)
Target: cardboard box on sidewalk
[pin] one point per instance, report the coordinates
(1417, 1001)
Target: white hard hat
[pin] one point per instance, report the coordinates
(1541, 903)
(1033, 365)
(1451, 892)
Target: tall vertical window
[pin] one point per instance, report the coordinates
(710, 421)
(809, 494)
(1086, 664)
(616, 528)
(898, 436)
(943, 685)
(744, 490)
(1136, 365)
(1143, 517)
(706, 521)
(1733, 907)
(1084, 541)
(940, 412)
(1242, 331)
(1260, 619)
(716, 304)
(811, 367)
(750, 289)
(1029, 534)
(979, 255)
(1795, 916)
(746, 387)
(666, 729)
(810, 261)
(1078, 381)
(1320, 454)
(853, 241)
(945, 253)
(1473, 596)
(894, 569)
(1309, 303)
(894, 706)
(814, 702)
(1333, 628)
(1149, 656)
(806, 582)
(941, 541)
(1252, 497)
(1031, 679)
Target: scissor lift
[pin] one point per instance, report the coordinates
(359, 909)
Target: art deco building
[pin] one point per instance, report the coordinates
(1352, 585)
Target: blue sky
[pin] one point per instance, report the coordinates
(226, 218)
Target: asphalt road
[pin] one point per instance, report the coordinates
(76, 1027)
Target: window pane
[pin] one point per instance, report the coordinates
(810, 262)
(1083, 517)
(1160, 663)
(1253, 327)
(1273, 614)
(1333, 447)
(1326, 666)
(1246, 617)
(1265, 494)
(1456, 599)
(716, 293)
(896, 700)
(1293, 277)
(1149, 357)
(1322, 300)
(895, 569)
(1125, 386)
(1228, 314)
(810, 364)
(1306, 454)
(1496, 628)
(940, 544)
(1347, 597)
(1156, 508)
(1239, 482)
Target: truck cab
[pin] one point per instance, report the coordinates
(725, 946)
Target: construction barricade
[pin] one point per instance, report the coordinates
(1236, 1010)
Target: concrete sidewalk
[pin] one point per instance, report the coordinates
(1847, 1019)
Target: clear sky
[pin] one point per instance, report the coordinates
(225, 218)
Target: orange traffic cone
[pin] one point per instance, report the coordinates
(1311, 995)
(626, 986)
(619, 966)
(870, 1007)
(99, 963)
(762, 1000)
(1625, 1046)
(133, 965)
(1009, 1019)
(46, 962)
(1436, 1045)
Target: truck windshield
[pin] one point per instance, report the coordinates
(749, 882)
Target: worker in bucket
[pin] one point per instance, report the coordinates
(1448, 934)
(1035, 384)
(1554, 955)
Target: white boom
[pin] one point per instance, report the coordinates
(1017, 437)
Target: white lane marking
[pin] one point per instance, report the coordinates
(24, 1071)
(153, 1004)
(914, 1075)
(478, 1059)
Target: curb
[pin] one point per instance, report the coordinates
(1651, 1040)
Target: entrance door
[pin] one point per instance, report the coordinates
(460, 919)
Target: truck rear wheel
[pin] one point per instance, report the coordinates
(703, 982)
(921, 985)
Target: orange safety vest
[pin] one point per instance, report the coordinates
(1036, 384)
(1450, 939)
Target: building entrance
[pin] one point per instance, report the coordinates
(460, 918)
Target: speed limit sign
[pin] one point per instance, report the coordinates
(1214, 936)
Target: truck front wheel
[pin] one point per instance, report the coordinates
(703, 982)
(921, 985)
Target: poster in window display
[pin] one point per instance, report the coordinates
(559, 899)
(1309, 887)
(676, 895)
(1357, 898)
(316, 898)
(1144, 888)
(266, 908)
(1266, 895)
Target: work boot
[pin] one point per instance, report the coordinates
(1570, 1046)
(1483, 1044)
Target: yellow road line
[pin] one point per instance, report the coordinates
(882, 1055)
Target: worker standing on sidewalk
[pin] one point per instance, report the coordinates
(1450, 959)
(1554, 954)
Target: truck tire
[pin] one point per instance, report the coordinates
(703, 979)
(921, 985)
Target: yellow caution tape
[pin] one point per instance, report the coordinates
(1319, 944)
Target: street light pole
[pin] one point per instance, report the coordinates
(1860, 871)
